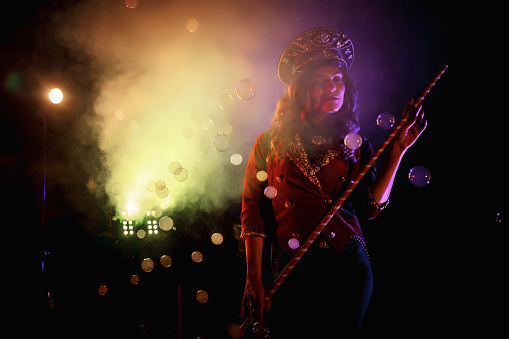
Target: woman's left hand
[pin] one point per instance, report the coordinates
(412, 128)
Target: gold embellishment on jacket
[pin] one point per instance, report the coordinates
(250, 231)
(330, 151)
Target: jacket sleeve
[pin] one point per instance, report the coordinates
(255, 182)
(360, 197)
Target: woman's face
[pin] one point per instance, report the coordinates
(327, 92)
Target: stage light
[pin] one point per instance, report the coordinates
(56, 96)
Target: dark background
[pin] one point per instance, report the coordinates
(437, 254)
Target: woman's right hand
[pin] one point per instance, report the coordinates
(254, 299)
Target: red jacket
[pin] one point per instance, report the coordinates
(305, 191)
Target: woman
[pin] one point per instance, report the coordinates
(307, 163)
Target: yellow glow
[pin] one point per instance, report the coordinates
(56, 96)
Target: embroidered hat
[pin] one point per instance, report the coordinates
(317, 44)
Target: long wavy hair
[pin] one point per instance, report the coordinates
(287, 118)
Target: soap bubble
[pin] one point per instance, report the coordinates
(196, 256)
(135, 279)
(216, 238)
(131, 3)
(135, 126)
(147, 265)
(102, 290)
(270, 192)
(192, 25)
(166, 223)
(119, 114)
(187, 132)
(202, 296)
(260, 330)
(419, 176)
(293, 243)
(236, 159)
(385, 121)
(262, 175)
(246, 89)
(353, 141)
(196, 157)
(221, 142)
(226, 129)
(116, 188)
(225, 101)
(165, 260)
(207, 124)
(160, 184)
(141, 234)
(181, 174)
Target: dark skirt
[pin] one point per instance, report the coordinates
(325, 296)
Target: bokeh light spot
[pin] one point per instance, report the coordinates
(236, 159)
(166, 223)
(56, 96)
(174, 166)
(262, 175)
(216, 238)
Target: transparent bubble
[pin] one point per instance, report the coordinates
(225, 101)
(187, 132)
(131, 3)
(216, 238)
(166, 223)
(181, 175)
(262, 175)
(385, 121)
(353, 141)
(221, 142)
(196, 256)
(165, 260)
(293, 243)
(197, 157)
(147, 265)
(246, 89)
(226, 129)
(194, 117)
(236, 159)
(419, 176)
(260, 330)
(135, 279)
(192, 25)
(270, 192)
(163, 193)
(207, 124)
(175, 165)
(202, 296)
(116, 188)
(135, 126)
(141, 234)
(102, 290)
(119, 114)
